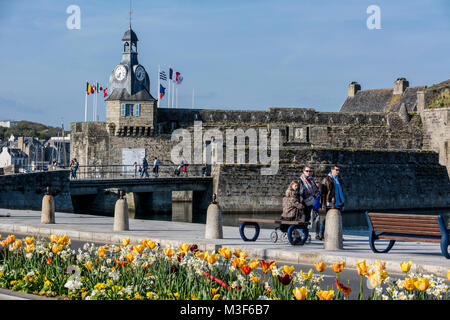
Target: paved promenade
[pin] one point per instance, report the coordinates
(426, 257)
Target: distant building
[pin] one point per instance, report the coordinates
(8, 123)
(58, 149)
(12, 156)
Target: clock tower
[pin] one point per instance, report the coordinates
(130, 108)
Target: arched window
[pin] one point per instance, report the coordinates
(126, 47)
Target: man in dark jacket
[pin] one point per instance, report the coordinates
(144, 167)
(331, 194)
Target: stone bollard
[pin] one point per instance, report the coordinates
(214, 221)
(48, 208)
(121, 214)
(333, 230)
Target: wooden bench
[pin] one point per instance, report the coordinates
(407, 227)
(293, 225)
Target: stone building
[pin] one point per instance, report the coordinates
(387, 147)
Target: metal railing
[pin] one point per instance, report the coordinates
(97, 172)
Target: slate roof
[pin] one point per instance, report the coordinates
(381, 100)
(130, 36)
(124, 95)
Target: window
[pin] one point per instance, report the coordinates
(128, 110)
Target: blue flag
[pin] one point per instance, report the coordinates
(162, 91)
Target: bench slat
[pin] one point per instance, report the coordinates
(402, 216)
(406, 221)
(422, 228)
(405, 238)
(393, 230)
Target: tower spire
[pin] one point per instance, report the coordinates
(130, 13)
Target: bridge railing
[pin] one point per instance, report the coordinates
(94, 172)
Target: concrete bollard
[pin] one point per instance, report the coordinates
(48, 208)
(121, 214)
(214, 224)
(333, 230)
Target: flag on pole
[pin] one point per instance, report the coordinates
(105, 92)
(162, 91)
(178, 78)
(92, 88)
(98, 88)
(171, 74)
(162, 75)
(88, 88)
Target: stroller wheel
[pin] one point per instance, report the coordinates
(274, 236)
(284, 237)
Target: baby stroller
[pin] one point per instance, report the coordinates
(281, 232)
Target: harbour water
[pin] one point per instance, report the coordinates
(352, 222)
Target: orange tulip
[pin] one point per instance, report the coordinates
(325, 295)
(125, 241)
(101, 252)
(267, 265)
(320, 267)
(29, 240)
(169, 252)
(253, 264)
(29, 248)
(130, 256)
(245, 269)
(225, 252)
(17, 244)
(10, 239)
(362, 267)
(212, 258)
(338, 266)
(238, 262)
(53, 238)
(300, 293)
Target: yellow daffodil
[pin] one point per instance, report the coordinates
(253, 263)
(320, 267)
(125, 241)
(408, 283)
(288, 269)
(338, 266)
(362, 267)
(307, 276)
(405, 266)
(225, 252)
(422, 284)
(300, 293)
(325, 295)
(100, 286)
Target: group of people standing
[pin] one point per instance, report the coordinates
(305, 197)
(142, 169)
(74, 167)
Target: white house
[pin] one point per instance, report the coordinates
(12, 156)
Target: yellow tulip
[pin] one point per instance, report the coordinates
(405, 266)
(325, 295)
(238, 262)
(184, 248)
(101, 252)
(300, 293)
(362, 267)
(253, 264)
(240, 254)
(225, 252)
(375, 279)
(255, 279)
(448, 275)
(320, 267)
(151, 244)
(17, 244)
(288, 270)
(422, 284)
(338, 266)
(379, 265)
(201, 255)
(53, 238)
(139, 248)
(169, 252)
(29, 240)
(64, 240)
(130, 256)
(216, 297)
(56, 248)
(125, 241)
(29, 248)
(307, 276)
(408, 283)
(212, 258)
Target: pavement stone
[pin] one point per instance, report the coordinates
(426, 257)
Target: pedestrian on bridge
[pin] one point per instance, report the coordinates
(144, 168)
(155, 167)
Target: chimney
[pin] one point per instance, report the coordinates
(20, 143)
(400, 86)
(353, 88)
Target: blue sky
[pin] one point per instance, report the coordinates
(244, 54)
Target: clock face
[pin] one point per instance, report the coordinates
(120, 72)
(140, 73)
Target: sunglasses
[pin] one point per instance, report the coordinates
(307, 170)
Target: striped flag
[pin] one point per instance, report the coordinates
(162, 91)
(162, 75)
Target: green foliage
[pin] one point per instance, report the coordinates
(31, 129)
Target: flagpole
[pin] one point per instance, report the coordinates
(192, 98)
(85, 103)
(173, 92)
(96, 102)
(93, 107)
(159, 84)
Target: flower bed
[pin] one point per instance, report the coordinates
(146, 271)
